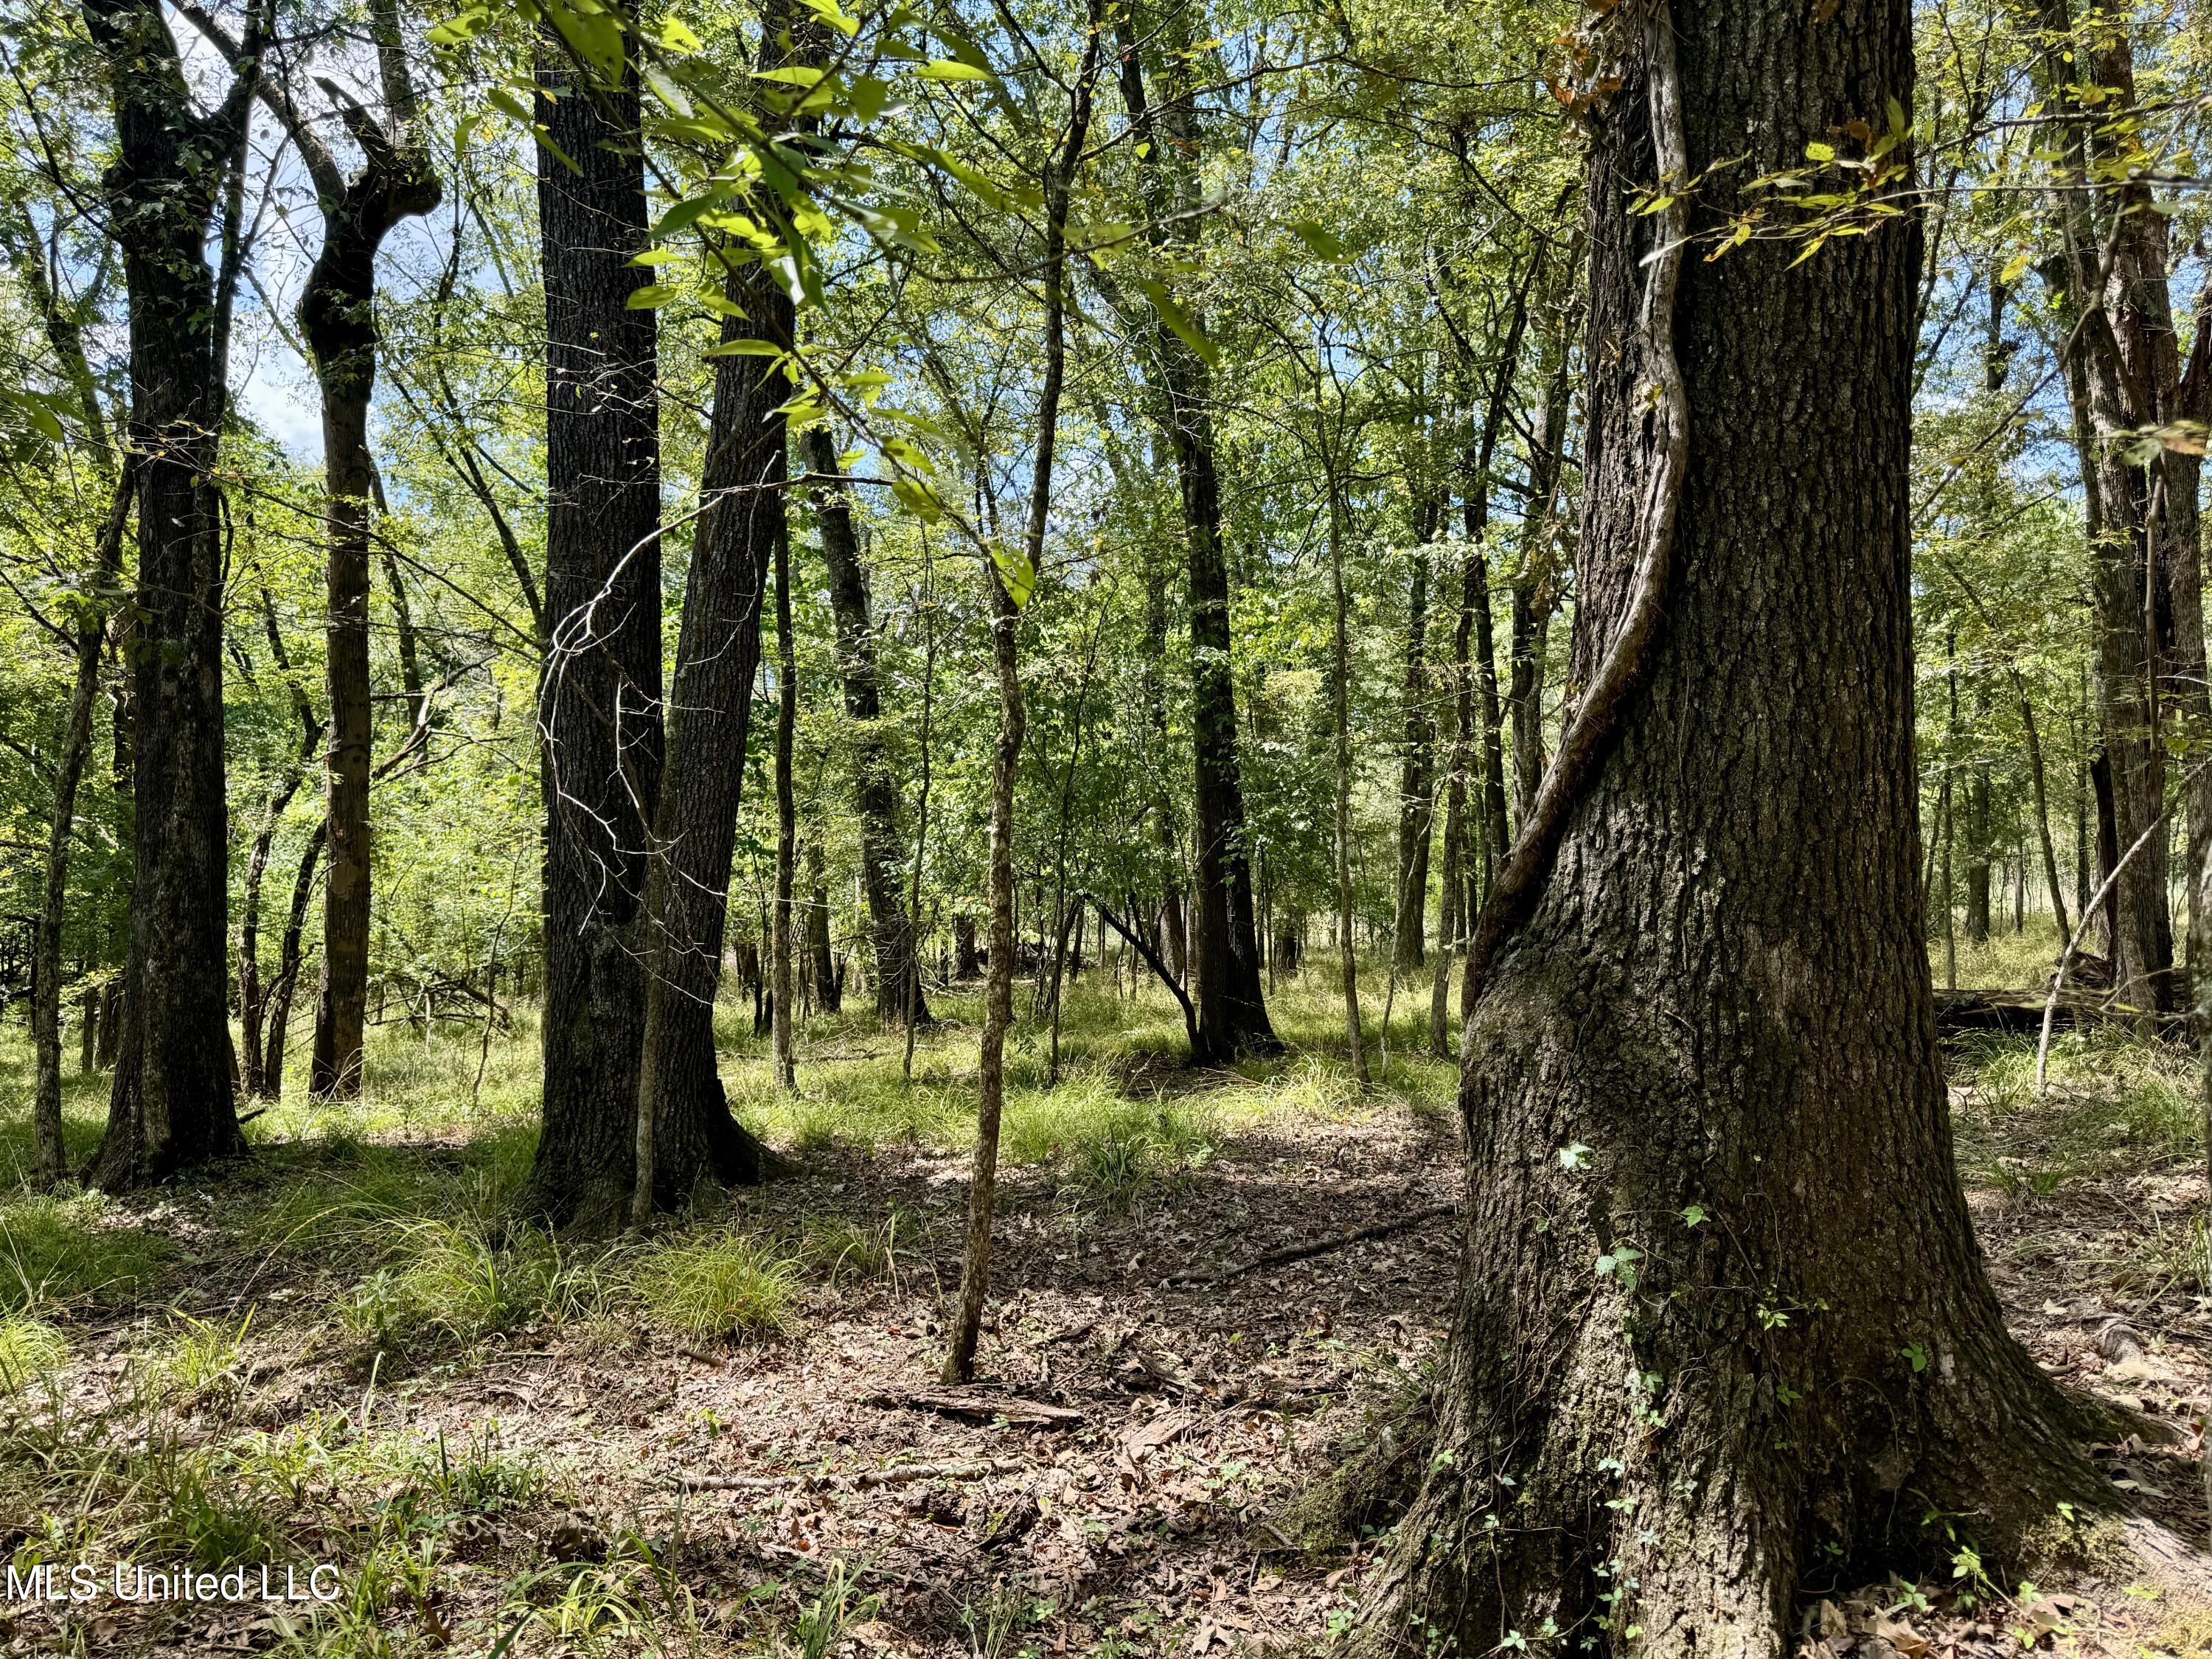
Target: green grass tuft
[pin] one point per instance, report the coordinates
(718, 1286)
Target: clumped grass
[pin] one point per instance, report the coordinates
(55, 1249)
(2107, 1088)
(30, 1350)
(202, 1359)
(839, 1248)
(456, 1281)
(722, 1284)
(211, 1507)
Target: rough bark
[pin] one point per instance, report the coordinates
(173, 1104)
(1722, 1306)
(1416, 799)
(1232, 1011)
(685, 1131)
(875, 790)
(599, 702)
(2123, 371)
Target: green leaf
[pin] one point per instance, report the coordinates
(456, 30)
(1576, 1157)
(745, 349)
(1693, 1214)
(1318, 238)
(917, 499)
(944, 68)
(1185, 326)
(1016, 571)
(654, 294)
(510, 105)
(1820, 152)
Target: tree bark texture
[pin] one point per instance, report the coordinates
(599, 704)
(1417, 800)
(875, 791)
(709, 719)
(173, 1104)
(1722, 1306)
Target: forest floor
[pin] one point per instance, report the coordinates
(730, 1437)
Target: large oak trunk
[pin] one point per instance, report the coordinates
(600, 706)
(1723, 1307)
(173, 1104)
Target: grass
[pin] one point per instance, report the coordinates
(724, 1284)
(30, 1350)
(55, 1249)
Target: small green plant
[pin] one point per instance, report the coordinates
(30, 1350)
(455, 1279)
(202, 1361)
(839, 1248)
(824, 1620)
(722, 1286)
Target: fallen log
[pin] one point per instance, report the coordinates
(982, 1405)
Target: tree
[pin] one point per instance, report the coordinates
(875, 792)
(599, 709)
(1232, 1011)
(172, 1105)
(685, 1131)
(1722, 1306)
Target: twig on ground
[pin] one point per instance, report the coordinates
(1317, 1247)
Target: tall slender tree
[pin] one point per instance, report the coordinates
(875, 791)
(1233, 1009)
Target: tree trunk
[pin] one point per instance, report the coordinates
(1978, 853)
(1417, 803)
(288, 966)
(2123, 372)
(783, 1064)
(821, 954)
(599, 705)
(338, 321)
(173, 1104)
(68, 772)
(685, 1133)
(1723, 1307)
(1232, 1010)
(1007, 754)
(1171, 921)
(1340, 637)
(875, 791)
